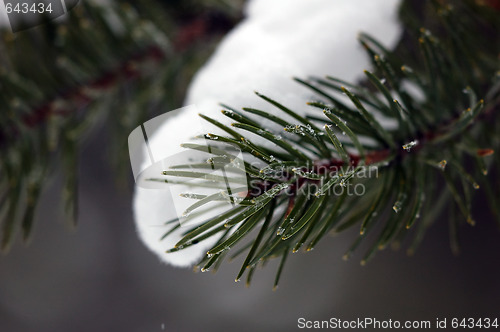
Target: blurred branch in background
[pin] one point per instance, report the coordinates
(60, 80)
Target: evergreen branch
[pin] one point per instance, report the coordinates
(317, 162)
(99, 59)
(293, 191)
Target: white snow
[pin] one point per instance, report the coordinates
(278, 40)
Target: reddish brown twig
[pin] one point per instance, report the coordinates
(196, 29)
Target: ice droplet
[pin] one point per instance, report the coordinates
(397, 207)
(409, 145)
(280, 231)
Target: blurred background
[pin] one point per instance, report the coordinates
(97, 275)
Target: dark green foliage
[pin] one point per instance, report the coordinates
(435, 158)
(424, 162)
(59, 81)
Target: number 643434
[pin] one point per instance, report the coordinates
(25, 8)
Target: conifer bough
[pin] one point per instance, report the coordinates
(440, 89)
